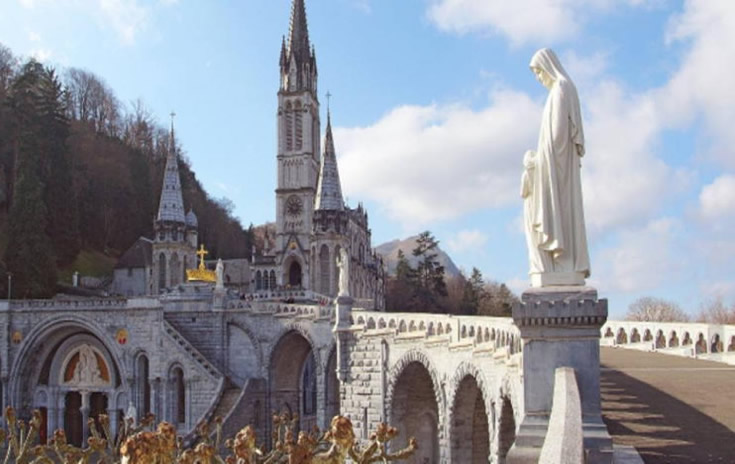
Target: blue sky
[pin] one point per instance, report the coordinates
(434, 106)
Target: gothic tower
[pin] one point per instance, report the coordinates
(331, 221)
(298, 151)
(175, 241)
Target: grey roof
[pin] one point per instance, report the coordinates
(139, 255)
(171, 207)
(191, 219)
(329, 189)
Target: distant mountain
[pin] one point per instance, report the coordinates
(389, 251)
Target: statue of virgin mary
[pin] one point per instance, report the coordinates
(551, 184)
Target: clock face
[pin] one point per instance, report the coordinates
(294, 206)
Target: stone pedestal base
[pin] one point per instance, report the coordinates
(539, 280)
(560, 327)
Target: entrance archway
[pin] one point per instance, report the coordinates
(332, 387)
(73, 418)
(415, 413)
(470, 430)
(293, 375)
(294, 274)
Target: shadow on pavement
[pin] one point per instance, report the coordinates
(661, 427)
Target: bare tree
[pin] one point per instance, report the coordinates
(649, 309)
(91, 100)
(715, 311)
(8, 65)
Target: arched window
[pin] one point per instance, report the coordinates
(162, 271)
(308, 386)
(298, 129)
(289, 127)
(178, 396)
(273, 280)
(143, 392)
(324, 270)
(175, 269)
(258, 281)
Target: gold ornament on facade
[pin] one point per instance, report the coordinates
(202, 274)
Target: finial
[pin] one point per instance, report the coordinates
(329, 99)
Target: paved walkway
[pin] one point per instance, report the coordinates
(671, 409)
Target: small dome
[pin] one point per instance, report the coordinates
(191, 219)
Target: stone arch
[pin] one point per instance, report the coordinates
(506, 433)
(142, 384)
(292, 381)
(469, 421)
(244, 353)
(415, 404)
(731, 346)
(660, 340)
(175, 269)
(371, 323)
(622, 337)
(177, 411)
(647, 335)
(635, 336)
(609, 332)
(39, 343)
(687, 339)
(716, 344)
(381, 323)
(258, 280)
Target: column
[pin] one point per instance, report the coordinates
(321, 394)
(85, 416)
(560, 327)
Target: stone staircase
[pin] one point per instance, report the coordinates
(193, 352)
(227, 401)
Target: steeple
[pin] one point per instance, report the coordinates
(171, 206)
(329, 190)
(298, 40)
(298, 58)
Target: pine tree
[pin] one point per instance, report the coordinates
(430, 284)
(29, 254)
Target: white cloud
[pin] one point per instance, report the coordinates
(702, 86)
(41, 54)
(528, 21)
(717, 200)
(642, 260)
(467, 240)
(437, 162)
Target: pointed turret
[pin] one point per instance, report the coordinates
(171, 206)
(329, 190)
(298, 58)
(298, 40)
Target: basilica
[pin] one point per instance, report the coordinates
(313, 223)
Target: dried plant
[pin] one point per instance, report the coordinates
(142, 444)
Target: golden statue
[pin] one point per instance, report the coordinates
(202, 274)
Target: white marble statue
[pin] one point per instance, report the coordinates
(87, 370)
(131, 414)
(551, 184)
(220, 273)
(343, 263)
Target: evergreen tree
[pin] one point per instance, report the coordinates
(59, 195)
(474, 293)
(29, 254)
(429, 278)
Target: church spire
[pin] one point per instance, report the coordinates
(298, 40)
(329, 190)
(171, 206)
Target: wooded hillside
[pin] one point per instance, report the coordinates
(81, 171)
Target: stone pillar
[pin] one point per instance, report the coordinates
(114, 416)
(85, 416)
(560, 327)
(342, 328)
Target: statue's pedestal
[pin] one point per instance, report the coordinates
(560, 327)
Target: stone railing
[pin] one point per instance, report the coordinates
(564, 438)
(290, 294)
(67, 305)
(462, 330)
(683, 338)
